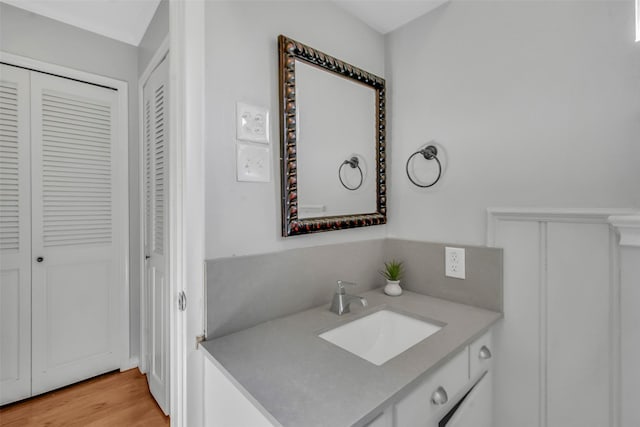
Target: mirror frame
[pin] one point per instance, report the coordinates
(288, 51)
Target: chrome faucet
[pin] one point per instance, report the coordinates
(342, 300)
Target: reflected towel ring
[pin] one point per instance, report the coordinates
(354, 162)
(430, 153)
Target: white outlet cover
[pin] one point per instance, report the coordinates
(253, 163)
(252, 123)
(455, 263)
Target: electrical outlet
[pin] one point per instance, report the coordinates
(454, 263)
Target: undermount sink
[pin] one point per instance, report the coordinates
(380, 336)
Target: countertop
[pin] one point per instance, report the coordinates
(303, 380)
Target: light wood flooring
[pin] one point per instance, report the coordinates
(115, 399)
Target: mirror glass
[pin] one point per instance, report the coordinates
(332, 128)
(336, 121)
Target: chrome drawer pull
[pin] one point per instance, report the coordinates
(484, 353)
(439, 397)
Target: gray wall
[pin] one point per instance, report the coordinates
(157, 31)
(248, 290)
(242, 65)
(34, 36)
(535, 104)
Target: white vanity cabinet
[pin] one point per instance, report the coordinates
(457, 394)
(464, 379)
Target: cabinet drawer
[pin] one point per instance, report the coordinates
(480, 355)
(417, 409)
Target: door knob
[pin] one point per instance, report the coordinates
(40, 259)
(147, 256)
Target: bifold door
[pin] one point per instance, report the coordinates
(15, 235)
(61, 274)
(156, 295)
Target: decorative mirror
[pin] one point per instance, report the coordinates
(332, 136)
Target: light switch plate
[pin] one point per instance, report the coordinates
(454, 260)
(253, 163)
(252, 123)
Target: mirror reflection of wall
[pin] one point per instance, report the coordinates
(336, 121)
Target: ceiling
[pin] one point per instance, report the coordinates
(386, 15)
(124, 20)
(127, 20)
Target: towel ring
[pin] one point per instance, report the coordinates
(429, 153)
(354, 162)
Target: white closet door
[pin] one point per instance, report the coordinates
(156, 133)
(75, 207)
(15, 236)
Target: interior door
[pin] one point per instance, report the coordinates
(15, 236)
(75, 228)
(156, 289)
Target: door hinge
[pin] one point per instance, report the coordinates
(182, 301)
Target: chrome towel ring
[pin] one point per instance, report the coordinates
(354, 162)
(429, 153)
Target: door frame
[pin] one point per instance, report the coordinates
(157, 58)
(186, 208)
(121, 239)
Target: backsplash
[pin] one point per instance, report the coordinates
(245, 291)
(424, 272)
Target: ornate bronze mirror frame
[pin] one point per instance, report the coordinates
(290, 51)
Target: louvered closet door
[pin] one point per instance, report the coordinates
(75, 207)
(15, 236)
(156, 133)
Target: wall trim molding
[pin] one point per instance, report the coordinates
(622, 222)
(628, 227)
(574, 215)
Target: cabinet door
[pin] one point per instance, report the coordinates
(76, 230)
(417, 408)
(476, 409)
(15, 236)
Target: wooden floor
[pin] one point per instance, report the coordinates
(116, 399)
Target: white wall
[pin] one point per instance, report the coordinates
(34, 36)
(630, 336)
(534, 103)
(242, 65)
(155, 34)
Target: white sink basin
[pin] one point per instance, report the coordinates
(380, 336)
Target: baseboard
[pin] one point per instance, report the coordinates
(131, 363)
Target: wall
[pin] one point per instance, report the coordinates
(242, 65)
(34, 36)
(630, 295)
(533, 103)
(557, 348)
(156, 33)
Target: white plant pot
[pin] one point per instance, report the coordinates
(393, 288)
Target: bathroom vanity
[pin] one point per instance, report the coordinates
(281, 372)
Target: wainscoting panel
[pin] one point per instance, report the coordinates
(558, 347)
(518, 377)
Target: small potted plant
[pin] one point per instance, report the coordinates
(393, 273)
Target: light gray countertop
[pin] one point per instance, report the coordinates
(303, 380)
